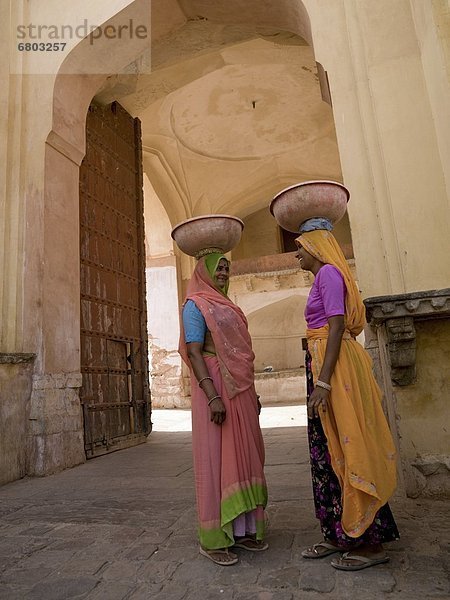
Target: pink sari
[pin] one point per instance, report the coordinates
(229, 458)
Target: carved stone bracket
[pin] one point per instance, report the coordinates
(397, 314)
(401, 335)
(432, 304)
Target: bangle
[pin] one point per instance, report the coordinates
(322, 384)
(213, 398)
(204, 379)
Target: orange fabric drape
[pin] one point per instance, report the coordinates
(359, 440)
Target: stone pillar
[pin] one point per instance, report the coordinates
(385, 63)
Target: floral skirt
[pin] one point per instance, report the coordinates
(327, 491)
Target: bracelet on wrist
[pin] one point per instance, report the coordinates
(204, 379)
(322, 384)
(213, 398)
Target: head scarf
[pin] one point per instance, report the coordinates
(315, 223)
(323, 246)
(227, 324)
(212, 262)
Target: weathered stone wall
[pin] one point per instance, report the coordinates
(166, 379)
(15, 389)
(55, 435)
(410, 344)
(424, 413)
(281, 387)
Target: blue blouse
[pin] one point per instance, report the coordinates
(194, 323)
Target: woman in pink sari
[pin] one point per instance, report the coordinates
(227, 442)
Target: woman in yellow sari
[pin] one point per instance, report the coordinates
(352, 453)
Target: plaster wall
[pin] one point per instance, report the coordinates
(281, 387)
(432, 23)
(388, 143)
(277, 330)
(260, 236)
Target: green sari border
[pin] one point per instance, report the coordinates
(242, 501)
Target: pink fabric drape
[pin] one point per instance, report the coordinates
(227, 458)
(229, 330)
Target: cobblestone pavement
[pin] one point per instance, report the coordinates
(123, 526)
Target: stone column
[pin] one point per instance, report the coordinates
(383, 66)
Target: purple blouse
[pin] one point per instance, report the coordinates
(326, 298)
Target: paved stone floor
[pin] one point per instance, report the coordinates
(123, 527)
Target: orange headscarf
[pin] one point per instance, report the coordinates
(322, 245)
(229, 330)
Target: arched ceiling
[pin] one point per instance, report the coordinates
(230, 113)
(287, 15)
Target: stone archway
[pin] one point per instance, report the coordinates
(57, 440)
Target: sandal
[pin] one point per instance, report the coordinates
(230, 558)
(250, 544)
(315, 552)
(364, 561)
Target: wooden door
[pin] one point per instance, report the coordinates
(115, 393)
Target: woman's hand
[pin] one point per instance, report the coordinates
(217, 407)
(218, 411)
(320, 395)
(258, 402)
(318, 398)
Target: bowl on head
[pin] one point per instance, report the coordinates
(297, 203)
(208, 233)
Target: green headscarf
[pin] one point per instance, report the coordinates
(212, 262)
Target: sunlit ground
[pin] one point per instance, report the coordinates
(271, 416)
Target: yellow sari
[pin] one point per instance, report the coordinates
(359, 441)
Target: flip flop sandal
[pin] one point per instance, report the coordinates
(365, 561)
(228, 563)
(314, 552)
(251, 545)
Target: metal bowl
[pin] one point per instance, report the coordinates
(208, 233)
(297, 203)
